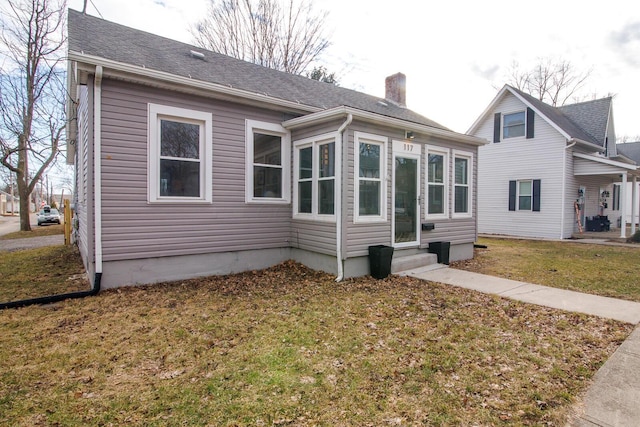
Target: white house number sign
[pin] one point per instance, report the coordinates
(406, 147)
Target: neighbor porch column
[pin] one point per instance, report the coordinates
(623, 206)
(634, 204)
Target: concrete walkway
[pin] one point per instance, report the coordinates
(614, 397)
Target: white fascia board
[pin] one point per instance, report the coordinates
(606, 161)
(486, 111)
(367, 116)
(144, 75)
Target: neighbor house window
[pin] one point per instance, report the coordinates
(437, 182)
(179, 155)
(370, 160)
(513, 125)
(524, 195)
(462, 167)
(268, 160)
(315, 177)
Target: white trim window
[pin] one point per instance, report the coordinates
(462, 184)
(370, 177)
(514, 124)
(314, 165)
(268, 160)
(437, 183)
(525, 195)
(179, 155)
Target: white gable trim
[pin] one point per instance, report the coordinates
(489, 109)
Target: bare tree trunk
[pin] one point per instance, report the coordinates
(32, 106)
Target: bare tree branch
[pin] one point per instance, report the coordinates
(551, 81)
(32, 92)
(287, 37)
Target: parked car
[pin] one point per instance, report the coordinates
(48, 215)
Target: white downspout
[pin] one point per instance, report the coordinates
(339, 140)
(623, 206)
(634, 204)
(564, 188)
(97, 166)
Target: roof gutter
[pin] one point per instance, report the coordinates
(587, 144)
(130, 72)
(337, 112)
(339, 224)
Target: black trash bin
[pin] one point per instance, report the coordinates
(380, 260)
(442, 250)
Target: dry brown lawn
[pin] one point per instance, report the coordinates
(289, 346)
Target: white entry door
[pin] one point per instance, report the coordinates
(406, 193)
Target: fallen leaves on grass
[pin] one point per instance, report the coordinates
(41, 272)
(289, 346)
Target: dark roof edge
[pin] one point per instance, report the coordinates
(337, 112)
(128, 71)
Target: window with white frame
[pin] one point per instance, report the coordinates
(513, 125)
(437, 182)
(179, 155)
(525, 195)
(268, 160)
(315, 178)
(462, 190)
(370, 160)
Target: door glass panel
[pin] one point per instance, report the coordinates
(406, 200)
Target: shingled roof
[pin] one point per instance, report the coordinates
(585, 120)
(630, 150)
(96, 37)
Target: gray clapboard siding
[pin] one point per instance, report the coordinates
(315, 236)
(134, 228)
(359, 236)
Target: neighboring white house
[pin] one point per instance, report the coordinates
(550, 172)
(631, 150)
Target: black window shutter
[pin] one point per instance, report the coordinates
(512, 195)
(497, 121)
(530, 122)
(536, 195)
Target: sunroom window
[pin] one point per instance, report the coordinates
(315, 178)
(462, 190)
(370, 178)
(437, 193)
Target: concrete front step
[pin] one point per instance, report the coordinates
(410, 262)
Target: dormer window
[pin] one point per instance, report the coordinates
(513, 125)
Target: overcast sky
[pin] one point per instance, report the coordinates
(455, 53)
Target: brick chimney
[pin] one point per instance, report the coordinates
(396, 89)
